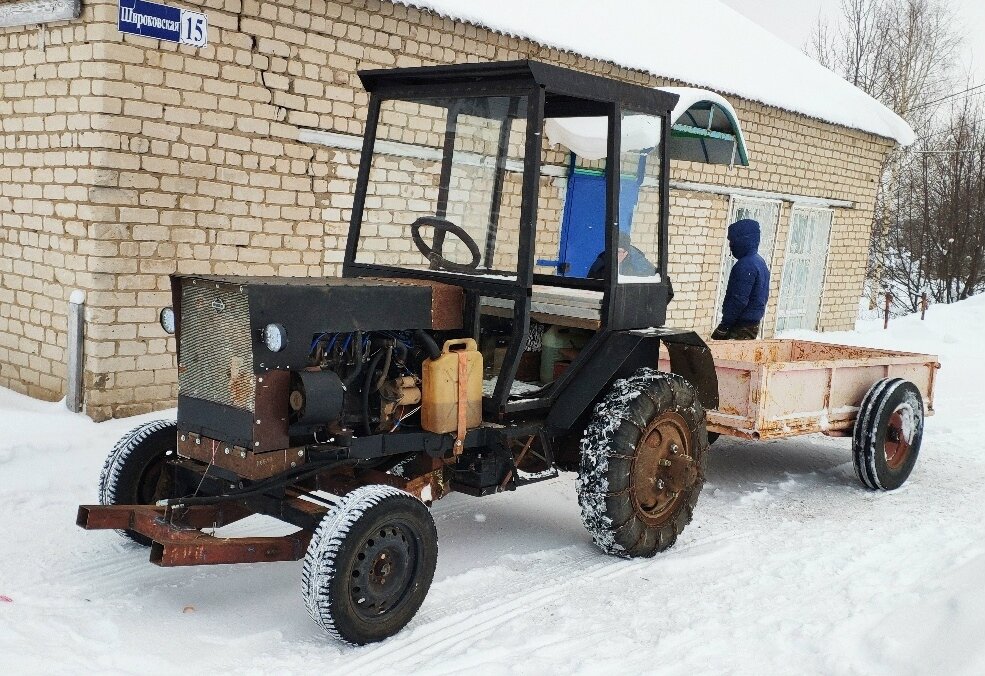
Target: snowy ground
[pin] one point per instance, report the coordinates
(789, 566)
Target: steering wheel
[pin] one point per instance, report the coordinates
(439, 261)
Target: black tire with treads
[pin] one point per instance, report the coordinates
(343, 581)
(136, 471)
(888, 400)
(610, 449)
(861, 423)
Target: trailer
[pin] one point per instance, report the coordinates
(774, 389)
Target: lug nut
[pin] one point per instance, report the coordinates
(666, 463)
(674, 448)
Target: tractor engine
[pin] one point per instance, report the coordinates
(265, 365)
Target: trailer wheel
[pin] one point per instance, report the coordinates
(135, 473)
(370, 564)
(888, 433)
(642, 464)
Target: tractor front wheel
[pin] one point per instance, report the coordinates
(370, 564)
(642, 464)
(137, 471)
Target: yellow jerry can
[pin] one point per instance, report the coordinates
(440, 385)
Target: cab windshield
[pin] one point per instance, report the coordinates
(445, 186)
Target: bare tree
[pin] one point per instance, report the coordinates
(902, 53)
(935, 241)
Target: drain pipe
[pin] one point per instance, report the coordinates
(76, 335)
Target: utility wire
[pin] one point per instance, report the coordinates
(951, 96)
(945, 152)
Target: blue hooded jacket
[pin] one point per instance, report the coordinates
(749, 283)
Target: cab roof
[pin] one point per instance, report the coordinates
(568, 92)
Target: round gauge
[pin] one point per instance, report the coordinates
(167, 320)
(275, 337)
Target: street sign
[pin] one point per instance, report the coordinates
(154, 20)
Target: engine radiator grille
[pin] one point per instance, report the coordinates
(216, 349)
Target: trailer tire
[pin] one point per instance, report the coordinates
(888, 433)
(348, 562)
(632, 501)
(134, 472)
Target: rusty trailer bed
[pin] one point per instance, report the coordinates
(770, 389)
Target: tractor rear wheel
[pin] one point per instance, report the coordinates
(136, 471)
(370, 564)
(888, 433)
(642, 464)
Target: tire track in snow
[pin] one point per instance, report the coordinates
(481, 618)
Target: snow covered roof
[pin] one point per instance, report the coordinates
(701, 42)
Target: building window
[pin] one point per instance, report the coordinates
(767, 212)
(803, 269)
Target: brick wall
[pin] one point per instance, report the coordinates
(50, 159)
(125, 160)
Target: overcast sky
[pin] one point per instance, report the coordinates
(793, 20)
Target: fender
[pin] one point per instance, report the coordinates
(618, 354)
(690, 358)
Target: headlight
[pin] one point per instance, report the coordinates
(167, 319)
(275, 337)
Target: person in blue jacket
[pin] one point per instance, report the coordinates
(748, 285)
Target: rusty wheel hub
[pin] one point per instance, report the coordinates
(157, 481)
(664, 469)
(383, 571)
(899, 436)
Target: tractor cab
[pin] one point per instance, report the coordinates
(466, 179)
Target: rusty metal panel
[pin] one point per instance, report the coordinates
(176, 540)
(108, 517)
(194, 548)
(242, 461)
(270, 419)
(121, 517)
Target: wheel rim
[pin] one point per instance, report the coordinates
(156, 483)
(664, 468)
(899, 436)
(383, 571)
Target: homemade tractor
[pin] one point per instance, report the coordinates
(346, 406)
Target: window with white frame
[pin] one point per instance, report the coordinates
(767, 213)
(803, 269)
